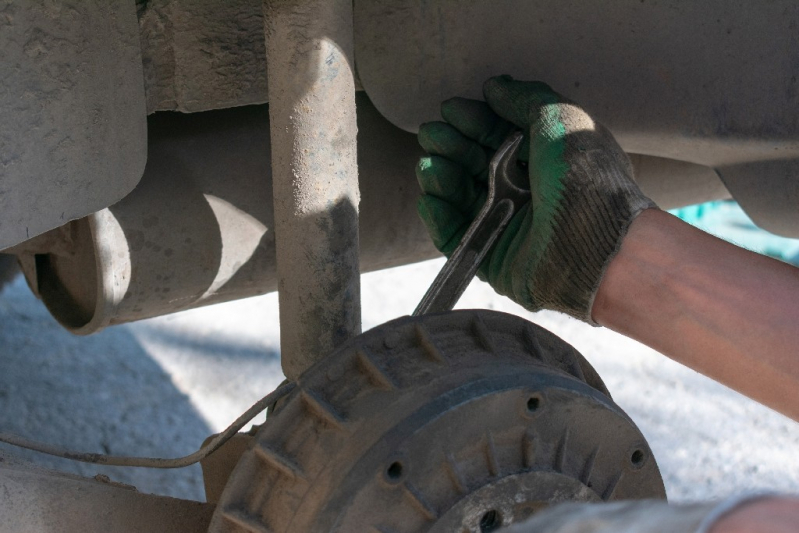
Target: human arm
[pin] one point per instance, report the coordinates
(723, 311)
(592, 245)
(767, 515)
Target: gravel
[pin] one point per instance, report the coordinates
(159, 387)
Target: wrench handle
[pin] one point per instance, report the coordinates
(462, 265)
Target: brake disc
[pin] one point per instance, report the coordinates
(463, 421)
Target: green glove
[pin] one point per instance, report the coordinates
(556, 249)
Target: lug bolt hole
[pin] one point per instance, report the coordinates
(490, 521)
(394, 471)
(638, 458)
(533, 404)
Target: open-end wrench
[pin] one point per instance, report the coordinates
(508, 191)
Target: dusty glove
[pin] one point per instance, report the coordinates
(556, 249)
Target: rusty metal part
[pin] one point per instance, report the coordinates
(438, 423)
(37, 500)
(314, 176)
(211, 445)
(508, 191)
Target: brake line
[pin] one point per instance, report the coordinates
(155, 462)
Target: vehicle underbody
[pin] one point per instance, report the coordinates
(159, 156)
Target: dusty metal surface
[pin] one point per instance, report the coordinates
(671, 183)
(709, 83)
(35, 500)
(218, 467)
(438, 423)
(684, 82)
(72, 126)
(192, 233)
(768, 190)
(202, 54)
(314, 176)
(713, 83)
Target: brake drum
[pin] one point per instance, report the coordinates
(463, 421)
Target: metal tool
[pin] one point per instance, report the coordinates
(508, 191)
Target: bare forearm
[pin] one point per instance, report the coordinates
(725, 312)
(772, 515)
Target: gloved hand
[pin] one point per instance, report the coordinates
(556, 249)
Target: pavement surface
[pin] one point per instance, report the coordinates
(159, 387)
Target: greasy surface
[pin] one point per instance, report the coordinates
(161, 386)
(314, 176)
(73, 133)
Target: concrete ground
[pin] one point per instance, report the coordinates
(159, 387)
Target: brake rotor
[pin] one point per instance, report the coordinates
(463, 421)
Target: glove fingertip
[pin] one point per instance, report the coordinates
(442, 220)
(430, 134)
(443, 139)
(517, 101)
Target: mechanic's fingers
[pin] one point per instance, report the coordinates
(449, 247)
(520, 102)
(439, 138)
(446, 180)
(477, 121)
(444, 222)
(502, 268)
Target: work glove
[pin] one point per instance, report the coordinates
(555, 250)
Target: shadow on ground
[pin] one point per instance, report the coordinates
(102, 393)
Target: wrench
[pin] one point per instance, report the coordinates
(508, 191)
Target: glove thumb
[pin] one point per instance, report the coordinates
(519, 102)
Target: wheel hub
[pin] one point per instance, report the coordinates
(464, 421)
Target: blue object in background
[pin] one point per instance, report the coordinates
(725, 219)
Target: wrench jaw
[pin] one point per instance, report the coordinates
(503, 200)
(509, 179)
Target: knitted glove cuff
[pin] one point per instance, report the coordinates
(599, 202)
